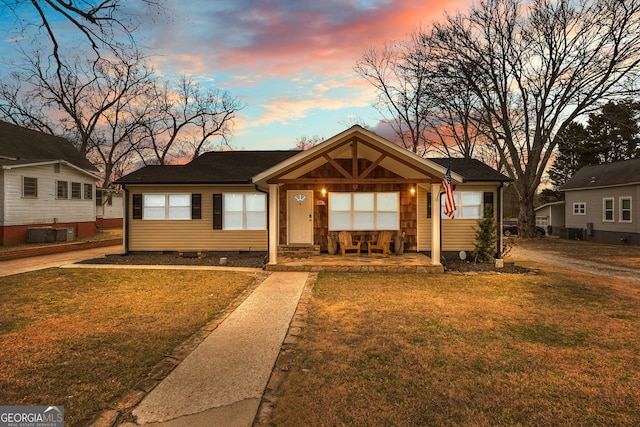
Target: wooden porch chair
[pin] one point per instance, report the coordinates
(382, 246)
(347, 244)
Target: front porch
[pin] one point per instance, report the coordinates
(406, 263)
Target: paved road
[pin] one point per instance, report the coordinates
(558, 259)
(23, 265)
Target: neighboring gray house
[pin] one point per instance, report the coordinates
(550, 216)
(603, 203)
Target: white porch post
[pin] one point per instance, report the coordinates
(435, 224)
(274, 231)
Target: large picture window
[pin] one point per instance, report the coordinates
(364, 211)
(245, 211)
(166, 206)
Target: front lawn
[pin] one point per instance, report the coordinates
(556, 348)
(83, 338)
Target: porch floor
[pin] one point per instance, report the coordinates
(405, 263)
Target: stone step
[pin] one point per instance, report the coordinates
(298, 251)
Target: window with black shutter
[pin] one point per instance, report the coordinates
(217, 211)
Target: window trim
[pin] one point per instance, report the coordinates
(167, 207)
(630, 210)
(578, 205)
(376, 211)
(59, 183)
(458, 212)
(35, 187)
(605, 210)
(86, 187)
(76, 190)
(243, 212)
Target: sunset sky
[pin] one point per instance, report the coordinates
(291, 61)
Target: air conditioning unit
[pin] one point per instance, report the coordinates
(64, 234)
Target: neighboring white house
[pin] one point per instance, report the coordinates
(109, 207)
(550, 216)
(44, 182)
(603, 203)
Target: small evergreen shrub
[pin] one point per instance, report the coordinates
(486, 237)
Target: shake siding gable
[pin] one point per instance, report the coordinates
(194, 234)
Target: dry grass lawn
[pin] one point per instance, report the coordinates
(83, 338)
(555, 348)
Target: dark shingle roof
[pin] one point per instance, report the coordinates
(605, 175)
(216, 167)
(19, 145)
(471, 169)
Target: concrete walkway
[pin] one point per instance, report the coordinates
(222, 381)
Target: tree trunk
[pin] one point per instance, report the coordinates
(527, 214)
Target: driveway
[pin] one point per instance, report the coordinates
(565, 261)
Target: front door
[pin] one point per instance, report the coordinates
(300, 216)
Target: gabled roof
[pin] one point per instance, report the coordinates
(471, 170)
(614, 174)
(20, 146)
(246, 167)
(216, 167)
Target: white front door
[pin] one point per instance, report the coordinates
(300, 216)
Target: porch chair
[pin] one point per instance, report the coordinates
(382, 245)
(347, 244)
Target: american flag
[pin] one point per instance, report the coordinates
(449, 199)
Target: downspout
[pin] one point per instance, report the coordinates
(498, 212)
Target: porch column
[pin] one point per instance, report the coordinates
(435, 224)
(274, 200)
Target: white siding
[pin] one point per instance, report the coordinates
(593, 200)
(113, 210)
(46, 208)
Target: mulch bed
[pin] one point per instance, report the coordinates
(452, 261)
(233, 259)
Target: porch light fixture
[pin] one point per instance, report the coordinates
(323, 191)
(413, 191)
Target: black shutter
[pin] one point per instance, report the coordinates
(429, 205)
(217, 211)
(196, 206)
(488, 201)
(137, 206)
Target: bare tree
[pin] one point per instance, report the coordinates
(104, 25)
(399, 73)
(188, 118)
(535, 67)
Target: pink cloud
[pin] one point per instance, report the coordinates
(282, 38)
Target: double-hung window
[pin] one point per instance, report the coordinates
(76, 190)
(607, 209)
(625, 209)
(580, 208)
(62, 189)
(88, 191)
(468, 205)
(364, 211)
(29, 187)
(166, 206)
(245, 211)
